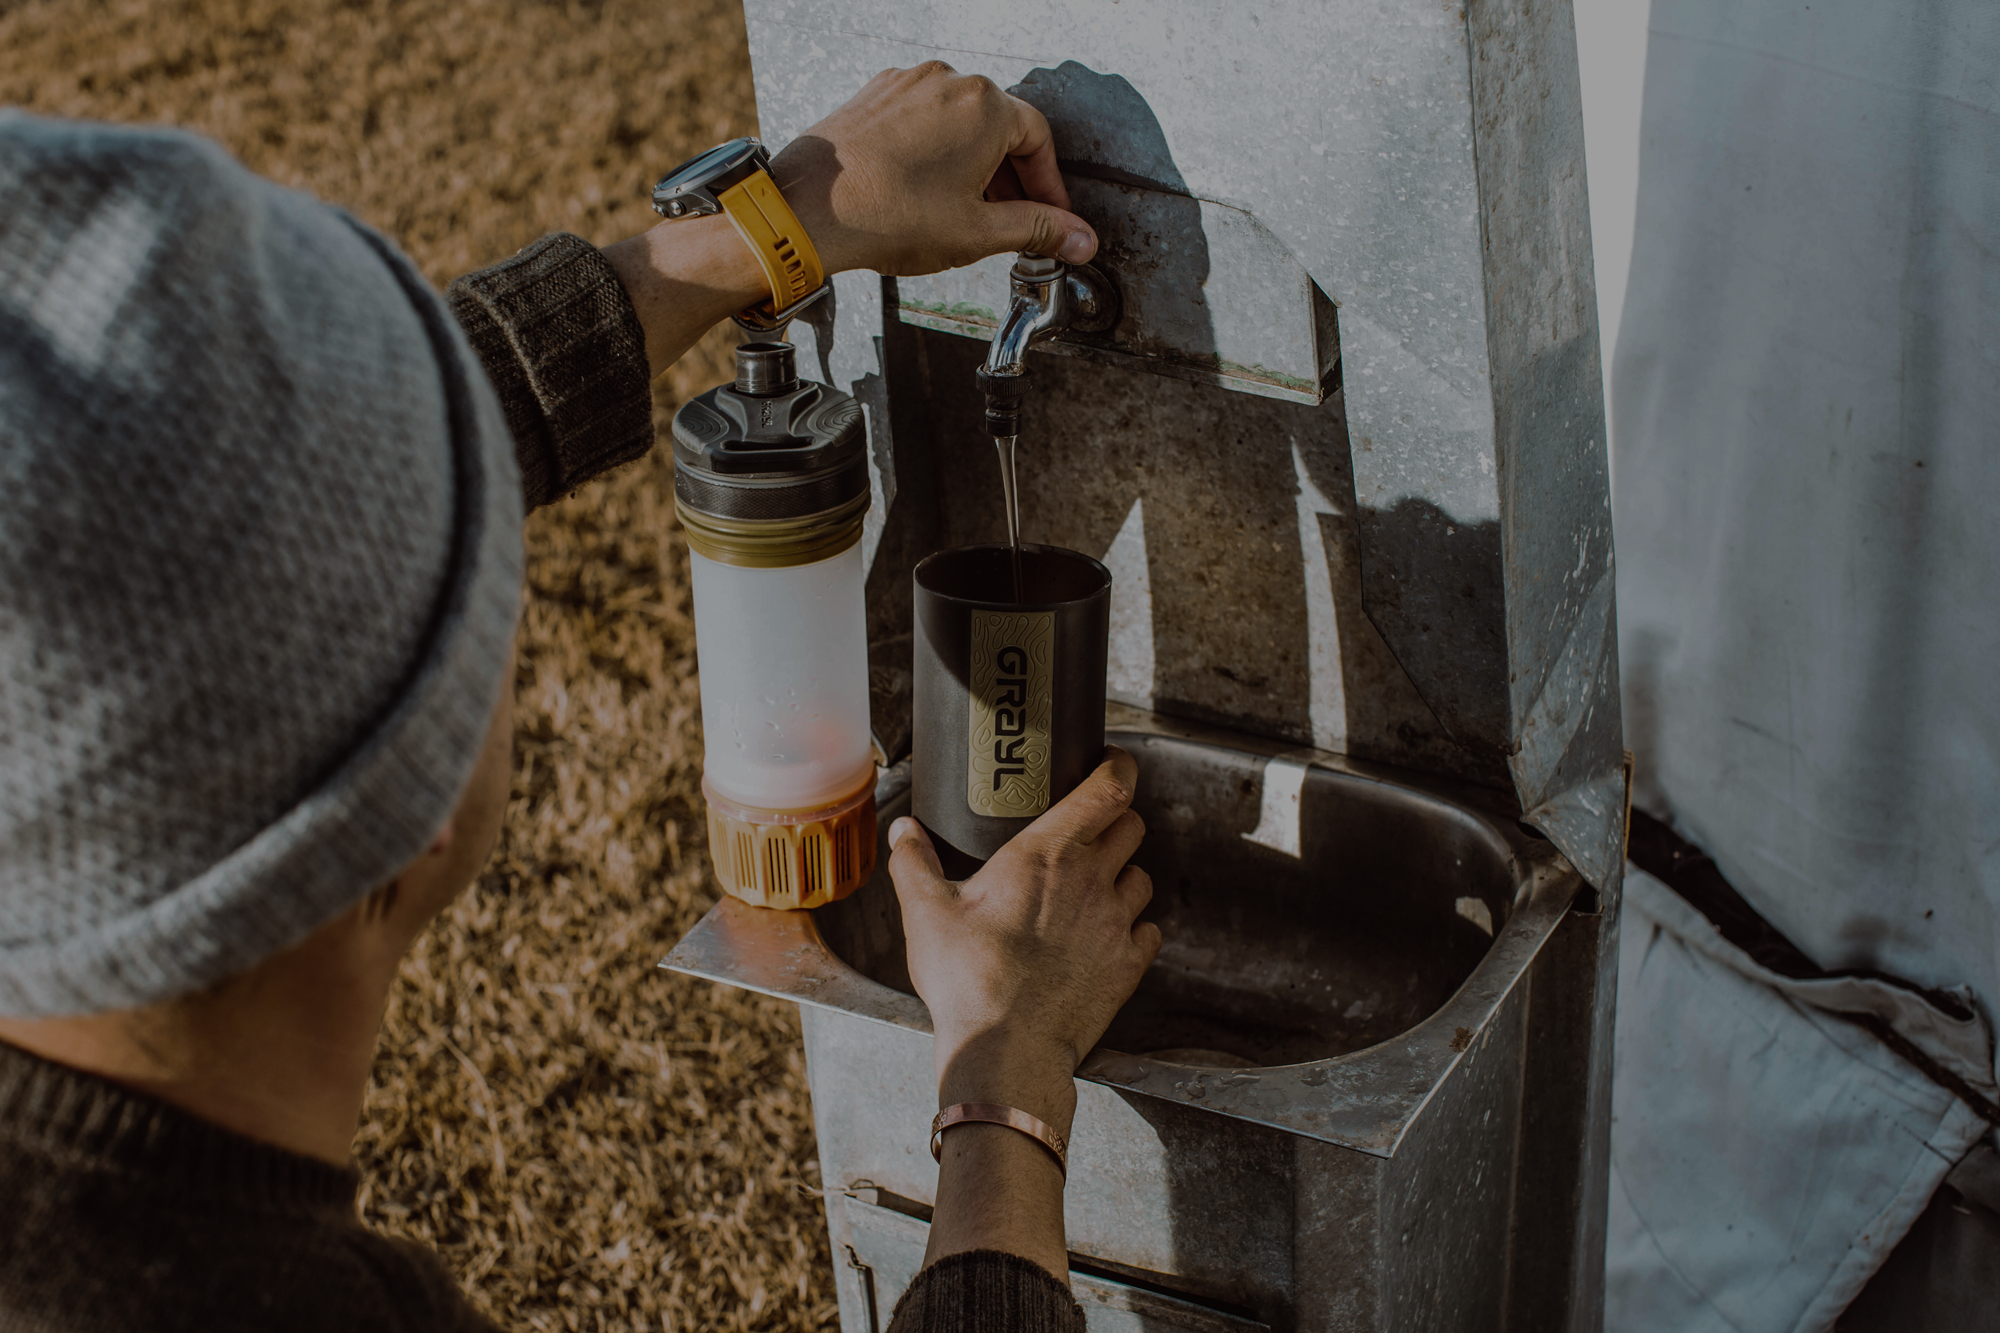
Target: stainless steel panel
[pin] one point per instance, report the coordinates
(1378, 532)
(882, 1250)
(1420, 165)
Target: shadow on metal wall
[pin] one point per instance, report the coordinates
(1228, 519)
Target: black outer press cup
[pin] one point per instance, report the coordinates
(1008, 696)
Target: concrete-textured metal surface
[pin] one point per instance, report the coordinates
(1422, 166)
(880, 1248)
(1215, 298)
(1229, 526)
(1133, 1162)
(1343, 130)
(1453, 1191)
(1548, 411)
(1358, 1191)
(1416, 569)
(1563, 1175)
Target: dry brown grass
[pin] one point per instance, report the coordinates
(590, 1142)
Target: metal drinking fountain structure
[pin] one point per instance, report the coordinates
(1344, 454)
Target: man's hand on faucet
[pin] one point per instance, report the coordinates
(922, 170)
(926, 169)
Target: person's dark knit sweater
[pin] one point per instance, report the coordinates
(125, 1215)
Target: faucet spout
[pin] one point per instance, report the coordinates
(1045, 297)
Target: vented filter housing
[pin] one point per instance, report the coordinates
(771, 483)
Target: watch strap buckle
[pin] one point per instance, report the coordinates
(761, 320)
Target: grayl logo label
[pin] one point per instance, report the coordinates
(767, 414)
(1013, 666)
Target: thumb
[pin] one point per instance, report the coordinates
(1040, 229)
(913, 862)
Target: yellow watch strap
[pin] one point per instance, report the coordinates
(772, 231)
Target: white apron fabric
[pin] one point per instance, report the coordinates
(1807, 476)
(1764, 1155)
(1806, 479)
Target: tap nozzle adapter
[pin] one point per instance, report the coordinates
(1004, 391)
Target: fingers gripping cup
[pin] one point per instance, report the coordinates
(1008, 695)
(770, 483)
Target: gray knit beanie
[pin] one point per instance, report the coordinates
(259, 565)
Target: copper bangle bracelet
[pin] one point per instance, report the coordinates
(987, 1113)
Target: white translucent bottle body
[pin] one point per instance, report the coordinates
(783, 655)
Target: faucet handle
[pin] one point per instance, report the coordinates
(1037, 268)
(1080, 298)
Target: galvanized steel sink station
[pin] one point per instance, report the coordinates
(1343, 451)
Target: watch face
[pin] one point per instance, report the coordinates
(715, 162)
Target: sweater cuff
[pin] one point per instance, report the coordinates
(986, 1291)
(565, 352)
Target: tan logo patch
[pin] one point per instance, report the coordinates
(1013, 670)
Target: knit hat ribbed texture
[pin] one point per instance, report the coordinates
(259, 565)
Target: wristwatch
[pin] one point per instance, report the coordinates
(735, 178)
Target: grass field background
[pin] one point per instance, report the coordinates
(590, 1142)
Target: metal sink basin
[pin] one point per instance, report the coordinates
(1299, 925)
(1354, 1071)
(1349, 1095)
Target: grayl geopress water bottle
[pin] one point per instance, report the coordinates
(771, 483)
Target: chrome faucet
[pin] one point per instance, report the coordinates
(1045, 297)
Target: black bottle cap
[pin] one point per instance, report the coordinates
(769, 446)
